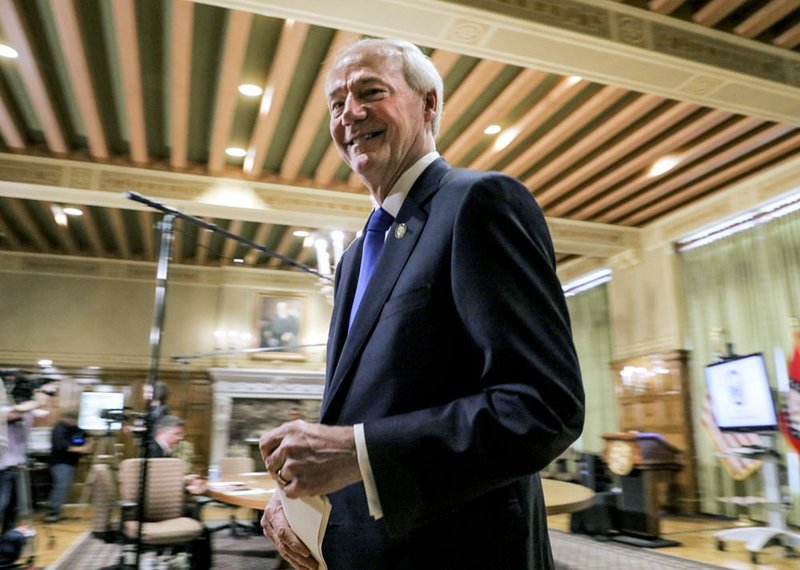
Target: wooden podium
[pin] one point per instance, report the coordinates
(641, 460)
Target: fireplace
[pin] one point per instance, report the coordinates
(250, 401)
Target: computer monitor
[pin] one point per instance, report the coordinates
(740, 394)
(92, 406)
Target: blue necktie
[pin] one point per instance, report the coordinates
(379, 222)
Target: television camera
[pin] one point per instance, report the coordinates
(20, 385)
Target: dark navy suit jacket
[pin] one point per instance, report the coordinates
(461, 366)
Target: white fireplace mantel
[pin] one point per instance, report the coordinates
(230, 383)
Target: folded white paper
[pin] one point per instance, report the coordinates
(308, 518)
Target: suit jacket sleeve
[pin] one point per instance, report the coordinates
(517, 398)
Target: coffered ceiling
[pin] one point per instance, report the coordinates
(113, 96)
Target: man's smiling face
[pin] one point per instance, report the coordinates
(379, 124)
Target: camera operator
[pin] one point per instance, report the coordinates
(27, 398)
(69, 443)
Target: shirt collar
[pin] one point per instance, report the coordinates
(401, 188)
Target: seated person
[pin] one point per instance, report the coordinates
(169, 433)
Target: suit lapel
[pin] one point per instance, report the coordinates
(394, 256)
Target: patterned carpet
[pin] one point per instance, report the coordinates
(247, 553)
(581, 552)
(571, 552)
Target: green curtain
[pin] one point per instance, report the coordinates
(747, 288)
(591, 332)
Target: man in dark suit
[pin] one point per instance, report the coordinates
(451, 375)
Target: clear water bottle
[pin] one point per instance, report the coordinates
(213, 473)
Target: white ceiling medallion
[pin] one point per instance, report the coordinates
(468, 32)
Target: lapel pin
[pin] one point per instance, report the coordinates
(400, 231)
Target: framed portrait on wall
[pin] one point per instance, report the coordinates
(280, 325)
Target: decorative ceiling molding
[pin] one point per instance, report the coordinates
(601, 41)
(105, 185)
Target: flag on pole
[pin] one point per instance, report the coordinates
(725, 444)
(789, 415)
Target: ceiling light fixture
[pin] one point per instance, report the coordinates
(73, 211)
(492, 130)
(506, 138)
(250, 90)
(8, 52)
(663, 165)
(236, 152)
(301, 233)
(59, 215)
(573, 79)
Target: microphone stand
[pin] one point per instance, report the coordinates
(215, 228)
(167, 234)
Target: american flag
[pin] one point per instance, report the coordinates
(725, 443)
(790, 411)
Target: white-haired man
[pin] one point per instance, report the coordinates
(451, 373)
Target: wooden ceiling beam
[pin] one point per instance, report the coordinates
(596, 106)
(237, 34)
(290, 47)
(494, 113)
(7, 237)
(664, 6)
(261, 235)
(229, 245)
(444, 60)
(124, 17)
(146, 229)
(715, 11)
(180, 81)
(533, 118)
(119, 232)
(287, 239)
(766, 153)
(8, 129)
(71, 40)
(23, 218)
(93, 235)
(330, 163)
(17, 36)
(480, 77)
(766, 16)
(789, 39)
(203, 242)
(315, 110)
(634, 111)
(635, 154)
(700, 157)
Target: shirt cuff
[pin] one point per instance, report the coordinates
(373, 501)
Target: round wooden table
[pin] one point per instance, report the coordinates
(256, 489)
(562, 497)
(249, 490)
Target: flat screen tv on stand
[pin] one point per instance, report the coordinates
(740, 394)
(741, 401)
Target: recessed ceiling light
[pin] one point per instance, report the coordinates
(236, 152)
(663, 164)
(8, 52)
(72, 211)
(506, 138)
(301, 233)
(250, 90)
(238, 260)
(45, 363)
(492, 130)
(59, 215)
